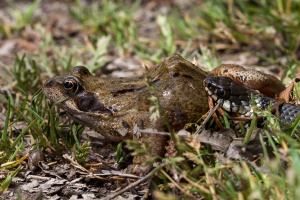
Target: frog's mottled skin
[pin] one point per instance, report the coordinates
(112, 106)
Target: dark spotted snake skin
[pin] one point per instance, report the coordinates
(236, 98)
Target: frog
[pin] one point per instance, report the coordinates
(116, 106)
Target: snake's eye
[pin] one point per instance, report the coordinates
(221, 93)
(208, 85)
(71, 85)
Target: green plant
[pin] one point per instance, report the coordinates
(20, 17)
(109, 19)
(26, 74)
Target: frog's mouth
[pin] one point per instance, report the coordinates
(86, 118)
(81, 107)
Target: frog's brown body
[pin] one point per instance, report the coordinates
(112, 106)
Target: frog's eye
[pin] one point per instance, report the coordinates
(71, 85)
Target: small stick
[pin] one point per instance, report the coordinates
(148, 176)
(211, 112)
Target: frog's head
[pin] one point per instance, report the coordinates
(74, 94)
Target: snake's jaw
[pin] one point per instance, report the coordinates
(238, 99)
(209, 92)
(229, 106)
(210, 89)
(220, 90)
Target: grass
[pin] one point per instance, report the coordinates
(206, 30)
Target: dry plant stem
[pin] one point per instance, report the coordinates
(49, 144)
(214, 108)
(211, 112)
(148, 176)
(94, 165)
(180, 134)
(200, 187)
(74, 163)
(155, 132)
(176, 184)
(42, 178)
(115, 174)
(211, 186)
(97, 176)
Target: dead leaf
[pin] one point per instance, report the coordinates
(287, 93)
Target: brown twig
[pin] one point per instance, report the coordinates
(183, 190)
(211, 112)
(119, 174)
(74, 163)
(148, 176)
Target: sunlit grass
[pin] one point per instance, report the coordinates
(268, 29)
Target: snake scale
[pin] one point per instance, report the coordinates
(236, 98)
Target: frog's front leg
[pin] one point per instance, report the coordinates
(155, 146)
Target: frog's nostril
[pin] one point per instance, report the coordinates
(50, 83)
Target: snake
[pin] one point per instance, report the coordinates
(236, 98)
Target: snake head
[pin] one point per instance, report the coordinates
(234, 97)
(218, 87)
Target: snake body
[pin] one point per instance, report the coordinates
(236, 98)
